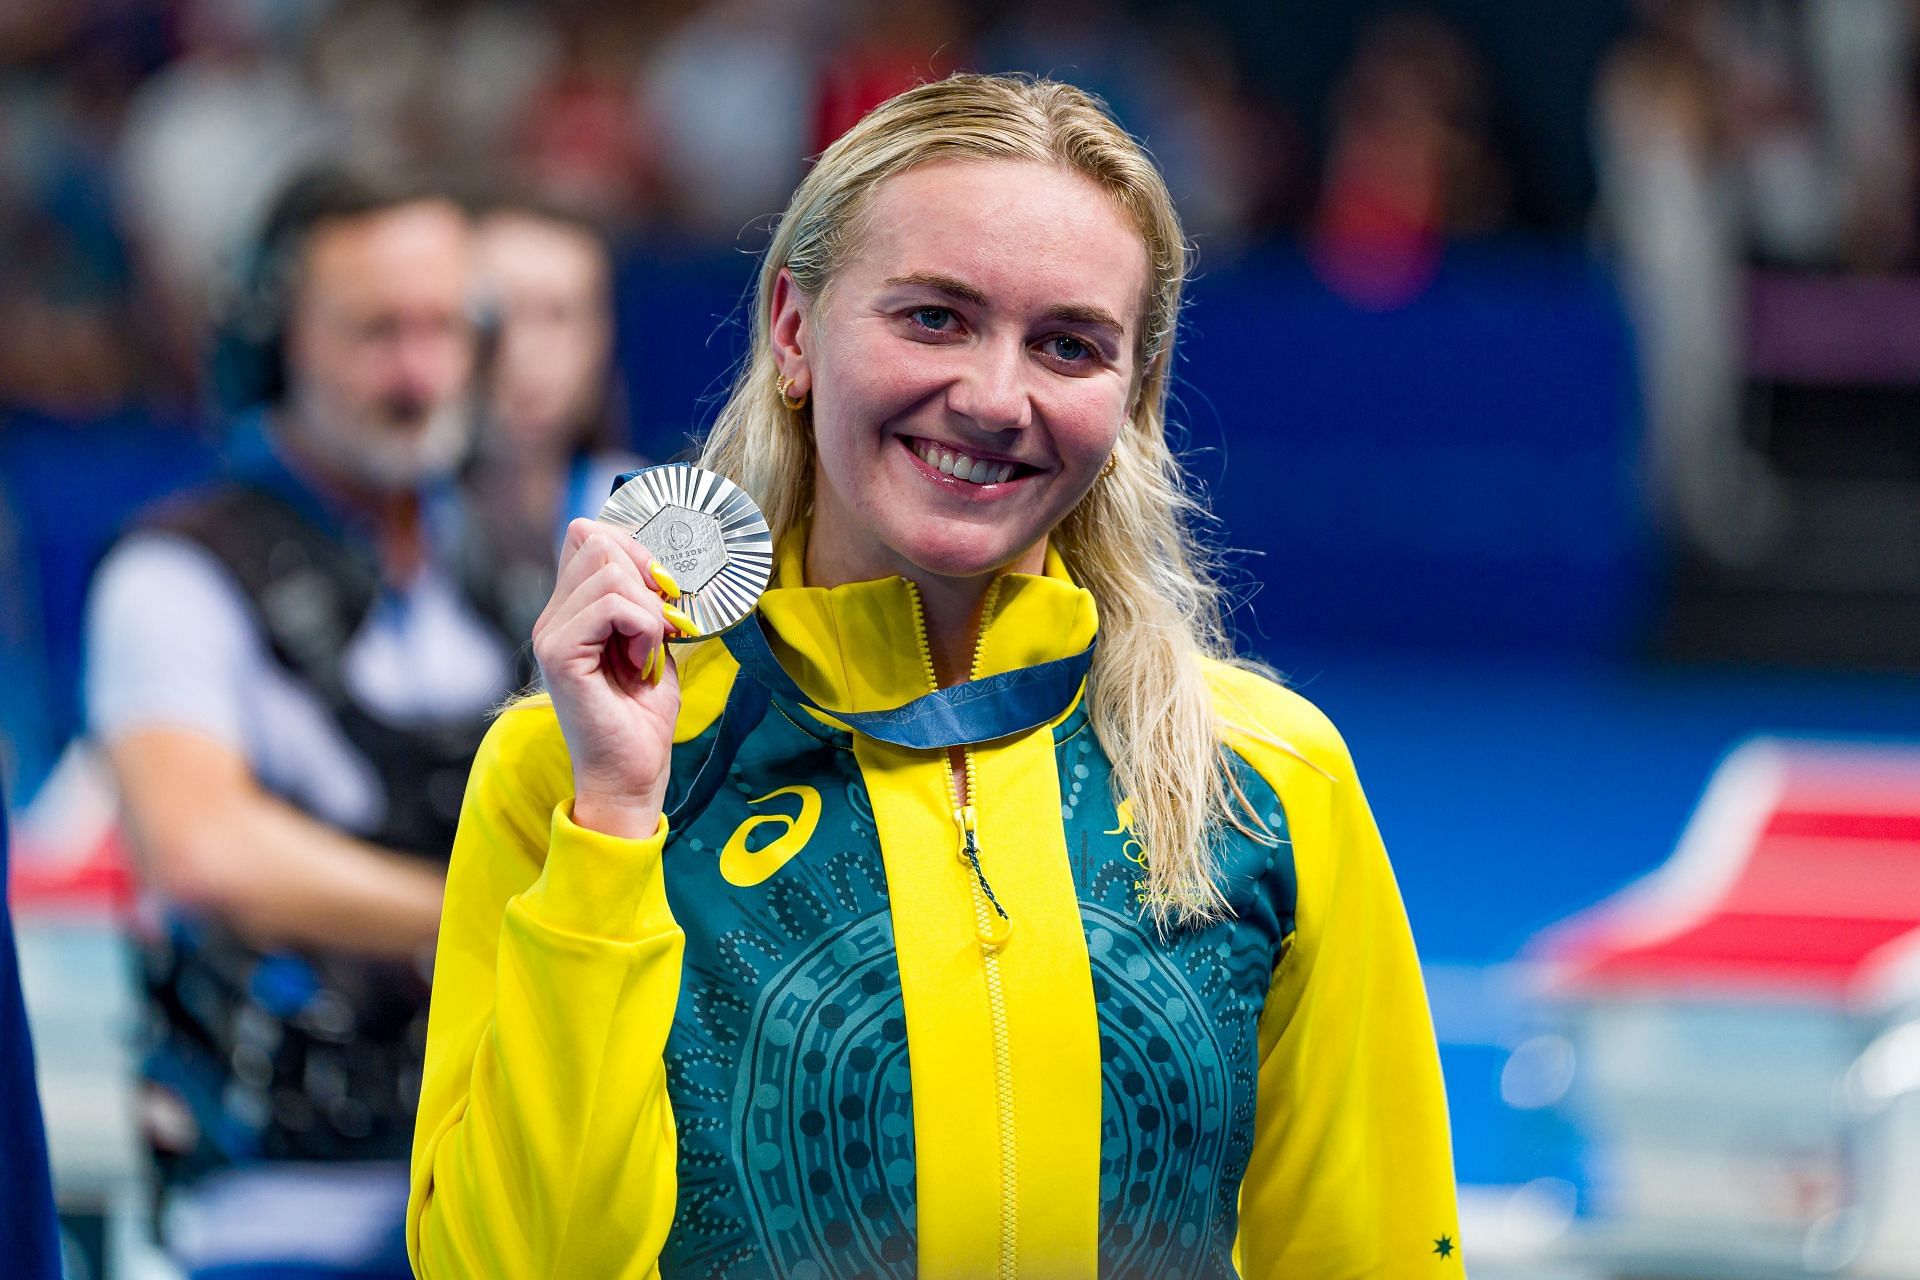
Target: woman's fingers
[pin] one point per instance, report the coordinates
(609, 588)
(613, 577)
(584, 554)
(590, 545)
(577, 642)
(622, 542)
(618, 571)
(616, 577)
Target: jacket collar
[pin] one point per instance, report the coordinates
(862, 646)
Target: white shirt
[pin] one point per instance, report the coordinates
(173, 643)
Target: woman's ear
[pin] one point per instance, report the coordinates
(788, 329)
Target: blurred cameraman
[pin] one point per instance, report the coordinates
(289, 673)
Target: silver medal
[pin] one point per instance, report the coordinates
(707, 532)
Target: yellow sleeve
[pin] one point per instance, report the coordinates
(1352, 1168)
(545, 1141)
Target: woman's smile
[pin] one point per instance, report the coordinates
(965, 470)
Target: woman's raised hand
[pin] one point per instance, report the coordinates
(601, 646)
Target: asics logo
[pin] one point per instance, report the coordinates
(744, 867)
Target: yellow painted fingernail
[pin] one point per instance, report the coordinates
(664, 580)
(657, 663)
(682, 623)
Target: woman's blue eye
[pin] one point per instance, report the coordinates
(1069, 348)
(935, 318)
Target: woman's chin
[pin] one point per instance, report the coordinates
(962, 557)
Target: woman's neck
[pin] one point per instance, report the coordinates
(951, 609)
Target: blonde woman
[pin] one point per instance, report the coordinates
(1121, 986)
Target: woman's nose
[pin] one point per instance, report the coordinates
(992, 391)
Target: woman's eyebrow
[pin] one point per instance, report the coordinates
(944, 284)
(1081, 313)
(1067, 312)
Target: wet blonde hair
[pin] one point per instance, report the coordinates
(1129, 541)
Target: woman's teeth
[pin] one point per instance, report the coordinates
(962, 467)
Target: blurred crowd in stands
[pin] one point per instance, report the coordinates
(1757, 173)
(139, 139)
(1798, 112)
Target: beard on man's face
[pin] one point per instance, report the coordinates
(399, 442)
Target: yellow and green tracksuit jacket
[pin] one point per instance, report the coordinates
(771, 1041)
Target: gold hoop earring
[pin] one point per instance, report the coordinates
(1113, 461)
(795, 405)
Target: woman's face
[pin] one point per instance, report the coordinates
(970, 367)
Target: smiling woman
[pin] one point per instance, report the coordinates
(989, 316)
(1128, 992)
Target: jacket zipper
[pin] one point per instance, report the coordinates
(992, 926)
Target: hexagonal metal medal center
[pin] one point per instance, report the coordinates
(688, 543)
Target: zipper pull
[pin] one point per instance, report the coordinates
(999, 925)
(969, 850)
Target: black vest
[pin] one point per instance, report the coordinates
(304, 1056)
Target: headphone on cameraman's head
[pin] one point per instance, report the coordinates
(248, 363)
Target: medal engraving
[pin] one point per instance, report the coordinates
(688, 543)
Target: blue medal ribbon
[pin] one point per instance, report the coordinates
(959, 715)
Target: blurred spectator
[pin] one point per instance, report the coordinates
(376, 65)
(206, 143)
(727, 92)
(1670, 210)
(65, 271)
(1411, 162)
(1237, 164)
(581, 139)
(1758, 179)
(882, 49)
(1736, 133)
(1799, 116)
(548, 448)
(490, 59)
(289, 675)
(1232, 161)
